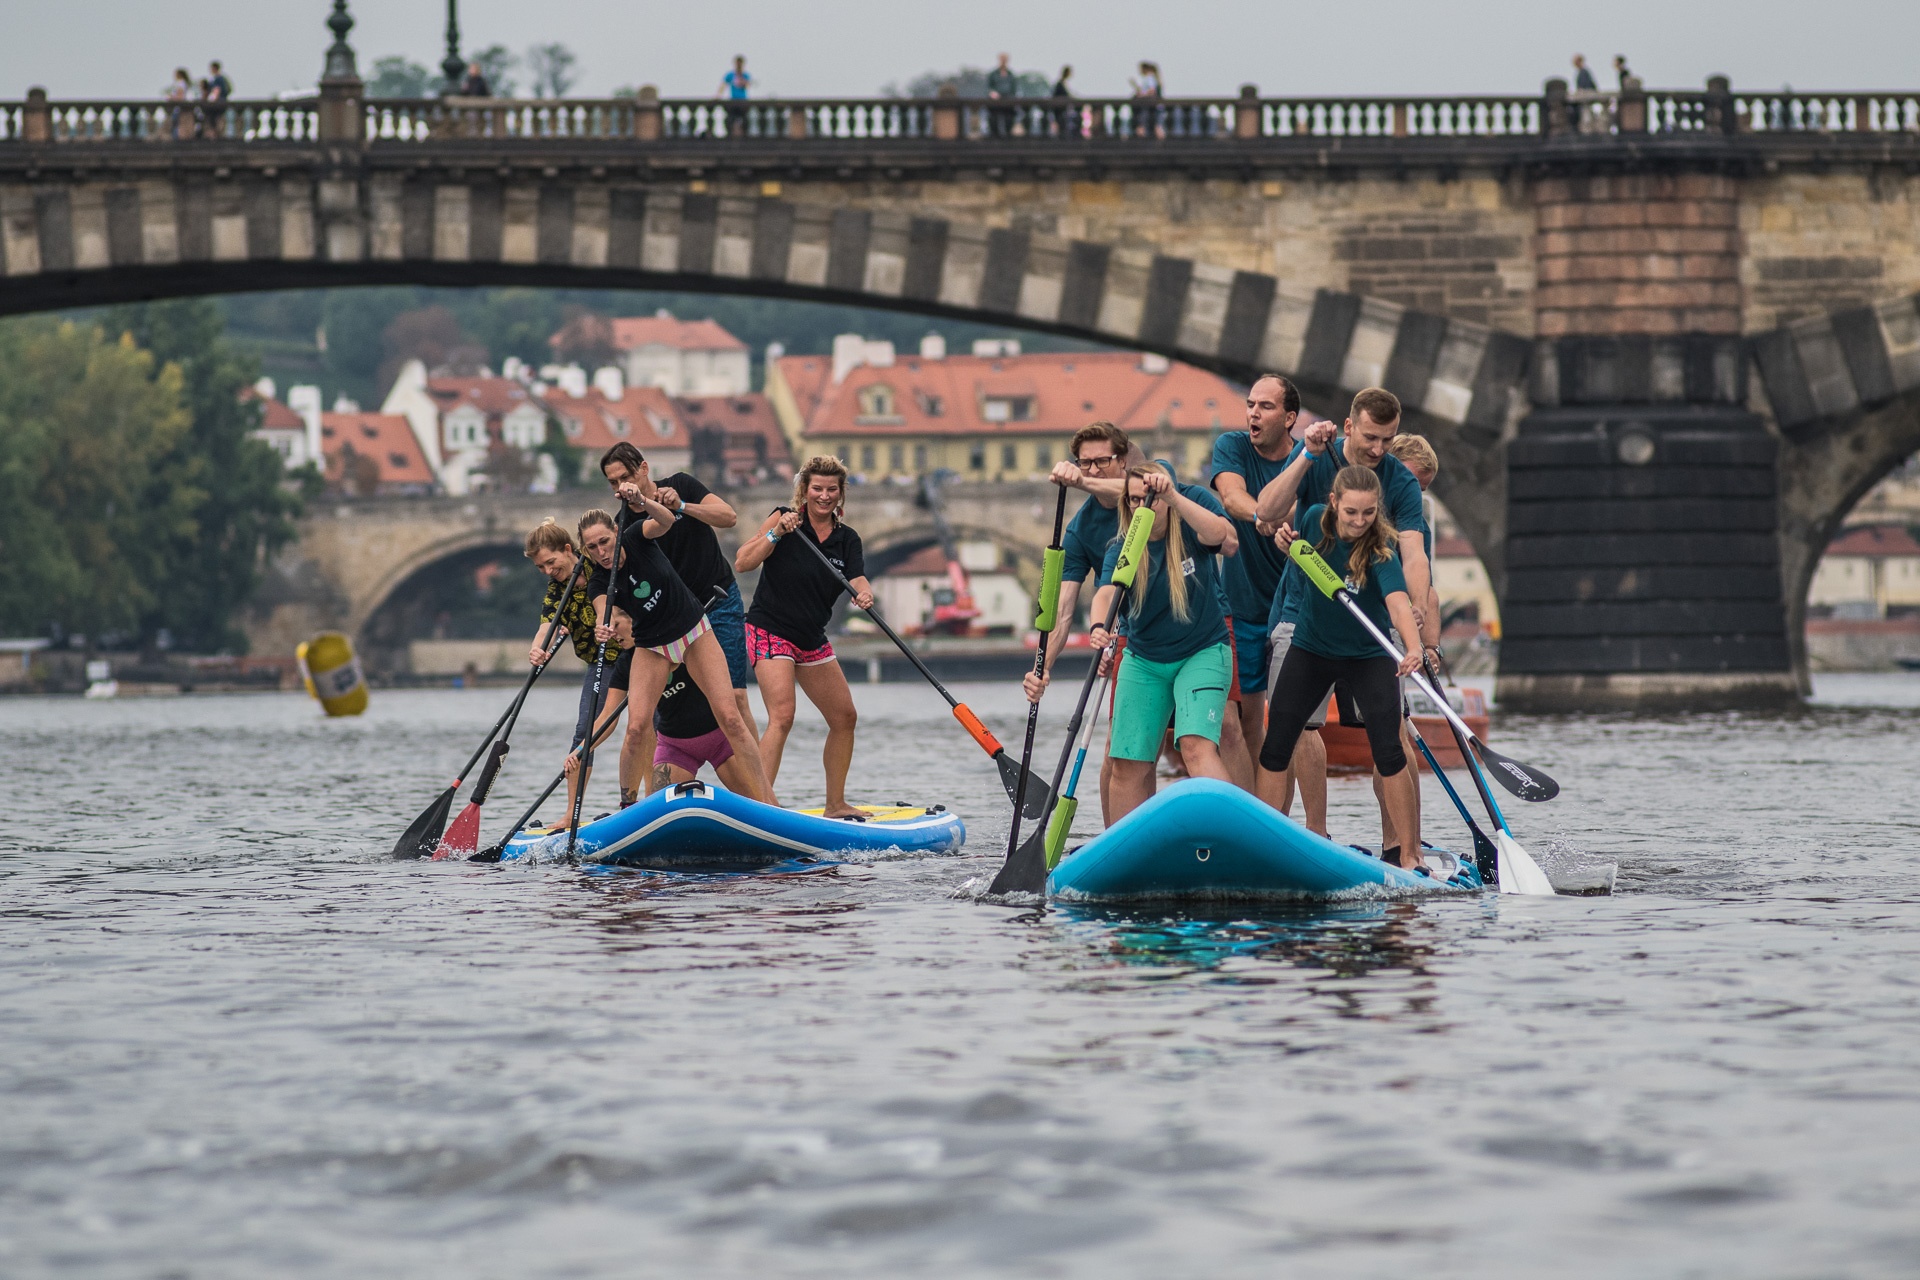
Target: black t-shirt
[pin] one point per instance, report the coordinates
(649, 590)
(691, 546)
(796, 594)
(683, 711)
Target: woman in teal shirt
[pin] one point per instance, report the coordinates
(1331, 647)
(1178, 661)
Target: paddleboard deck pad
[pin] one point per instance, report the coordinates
(1203, 839)
(694, 825)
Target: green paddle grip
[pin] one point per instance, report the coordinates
(1134, 549)
(1057, 828)
(1319, 570)
(1052, 567)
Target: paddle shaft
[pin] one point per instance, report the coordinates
(599, 679)
(561, 777)
(1046, 608)
(961, 712)
(1486, 857)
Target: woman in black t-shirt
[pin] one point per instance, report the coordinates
(787, 623)
(668, 628)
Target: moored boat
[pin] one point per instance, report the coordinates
(1347, 750)
(1210, 840)
(694, 825)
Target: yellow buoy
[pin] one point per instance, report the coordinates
(331, 671)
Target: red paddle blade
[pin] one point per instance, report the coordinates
(463, 837)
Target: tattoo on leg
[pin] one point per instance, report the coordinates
(628, 797)
(662, 777)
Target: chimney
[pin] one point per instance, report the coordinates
(515, 368)
(265, 389)
(573, 381)
(993, 348)
(610, 382)
(849, 353)
(305, 401)
(880, 355)
(933, 347)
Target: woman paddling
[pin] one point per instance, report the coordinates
(669, 628)
(787, 623)
(1178, 662)
(552, 551)
(1330, 647)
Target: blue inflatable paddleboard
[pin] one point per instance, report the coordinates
(1206, 839)
(694, 825)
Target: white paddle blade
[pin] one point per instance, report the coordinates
(1519, 873)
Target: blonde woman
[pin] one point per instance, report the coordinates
(1329, 646)
(549, 546)
(787, 622)
(1179, 661)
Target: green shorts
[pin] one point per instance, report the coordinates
(1192, 693)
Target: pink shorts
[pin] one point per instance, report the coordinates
(690, 753)
(763, 644)
(675, 650)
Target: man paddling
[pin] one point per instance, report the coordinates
(1372, 421)
(693, 549)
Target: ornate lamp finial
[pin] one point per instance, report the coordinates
(453, 66)
(340, 65)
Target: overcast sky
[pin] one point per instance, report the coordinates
(127, 48)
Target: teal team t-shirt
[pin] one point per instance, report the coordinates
(1325, 627)
(1085, 540)
(1154, 632)
(1400, 502)
(1253, 574)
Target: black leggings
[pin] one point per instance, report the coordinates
(1301, 687)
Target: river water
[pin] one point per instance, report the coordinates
(235, 1040)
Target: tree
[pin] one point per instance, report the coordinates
(85, 424)
(433, 336)
(552, 69)
(969, 82)
(398, 78)
(234, 507)
(496, 64)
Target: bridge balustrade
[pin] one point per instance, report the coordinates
(976, 122)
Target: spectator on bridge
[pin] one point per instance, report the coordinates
(215, 90)
(733, 87)
(178, 94)
(1066, 116)
(1002, 86)
(1628, 80)
(1583, 80)
(1146, 96)
(475, 85)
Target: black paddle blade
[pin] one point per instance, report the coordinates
(489, 854)
(1039, 794)
(1523, 780)
(1025, 870)
(423, 837)
(1486, 858)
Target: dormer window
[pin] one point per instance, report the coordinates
(1007, 408)
(877, 403)
(931, 405)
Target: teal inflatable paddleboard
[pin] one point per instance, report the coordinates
(1208, 839)
(697, 826)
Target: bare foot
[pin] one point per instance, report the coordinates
(845, 811)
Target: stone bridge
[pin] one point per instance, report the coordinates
(357, 562)
(1538, 278)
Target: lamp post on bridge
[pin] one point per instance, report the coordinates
(341, 90)
(453, 66)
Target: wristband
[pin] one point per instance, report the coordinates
(772, 537)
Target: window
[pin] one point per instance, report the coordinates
(919, 457)
(876, 401)
(931, 405)
(977, 456)
(1043, 456)
(1009, 457)
(896, 457)
(866, 457)
(842, 453)
(997, 410)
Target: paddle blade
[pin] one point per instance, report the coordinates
(1058, 828)
(1519, 873)
(1486, 859)
(420, 839)
(463, 837)
(1039, 795)
(1026, 870)
(1523, 780)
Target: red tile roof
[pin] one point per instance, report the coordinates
(495, 397)
(755, 448)
(1069, 390)
(386, 438)
(274, 416)
(1875, 540)
(625, 333)
(645, 416)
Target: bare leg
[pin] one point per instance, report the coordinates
(1398, 794)
(1389, 833)
(645, 680)
(742, 701)
(1253, 727)
(1204, 760)
(825, 685)
(1309, 770)
(575, 782)
(1232, 752)
(636, 760)
(775, 677)
(1132, 787)
(707, 664)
